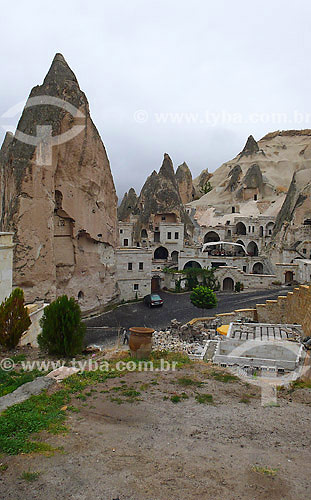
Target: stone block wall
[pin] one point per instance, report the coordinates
(295, 307)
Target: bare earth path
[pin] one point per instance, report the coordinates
(153, 449)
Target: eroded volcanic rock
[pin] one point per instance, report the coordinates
(294, 214)
(184, 183)
(200, 182)
(63, 212)
(127, 205)
(160, 194)
(250, 147)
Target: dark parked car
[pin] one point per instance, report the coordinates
(153, 299)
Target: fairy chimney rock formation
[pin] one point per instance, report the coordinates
(160, 195)
(127, 205)
(62, 208)
(250, 147)
(184, 182)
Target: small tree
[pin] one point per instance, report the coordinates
(203, 297)
(239, 287)
(14, 319)
(206, 188)
(62, 328)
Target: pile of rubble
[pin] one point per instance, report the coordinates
(186, 338)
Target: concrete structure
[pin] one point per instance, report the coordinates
(35, 312)
(6, 264)
(133, 272)
(125, 234)
(260, 346)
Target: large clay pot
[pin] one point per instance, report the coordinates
(140, 342)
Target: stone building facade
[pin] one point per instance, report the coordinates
(134, 272)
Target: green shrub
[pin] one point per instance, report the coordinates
(204, 398)
(62, 328)
(239, 287)
(14, 319)
(203, 297)
(178, 286)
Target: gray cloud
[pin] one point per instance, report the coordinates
(233, 59)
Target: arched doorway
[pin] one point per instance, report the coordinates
(258, 268)
(161, 253)
(240, 228)
(252, 249)
(191, 264)
(239, 250)
(211, 236)
(289, 276)
(155, 284)
(228, 285)
(175, 256)
(144, 233)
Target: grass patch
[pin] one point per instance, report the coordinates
(3, 467)
(175, 398)
(119, 401)
(184, 395)
(19, 357)
(9, 381)
(204, 398)
(131, 393)
(144, 387)
(266, 471)
(245, 399)
(30, 476)
(74, 409)
(189, 382)
(179, 358)
(20, 421)
(223, 376)
(301, 384)
(81, 396)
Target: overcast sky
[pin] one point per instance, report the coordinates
(189, 78)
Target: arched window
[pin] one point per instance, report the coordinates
(192, 263)
(211, 236)
(161, 253)
(252, 249)
(258, 268)
(240, 228)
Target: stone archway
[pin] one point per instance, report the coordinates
(191, 264)
(252, 249)
(258, 268)
(240, 250)
(211, 236)
(161, 253)
(228, 285)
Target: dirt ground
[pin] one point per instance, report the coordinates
(154, 449)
